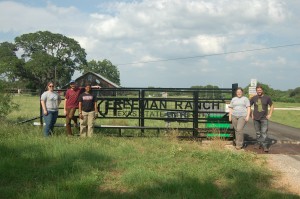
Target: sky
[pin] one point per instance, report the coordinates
(173, 43)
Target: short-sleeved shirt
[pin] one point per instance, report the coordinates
(72, 97)
(88, 101)
(239, 106)
(51, 100)
(261, 104)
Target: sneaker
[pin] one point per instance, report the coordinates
(266, 149)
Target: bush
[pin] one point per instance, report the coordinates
(6, 104)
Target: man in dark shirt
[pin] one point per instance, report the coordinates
(261, 116)
(87, 112)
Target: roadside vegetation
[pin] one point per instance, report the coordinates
(114, 167)
(118, 167)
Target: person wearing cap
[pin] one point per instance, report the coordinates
(71, 104)
(87, 112)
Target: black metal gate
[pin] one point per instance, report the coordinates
(203, 111)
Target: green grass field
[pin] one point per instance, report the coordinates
(286, 117)
(113, 167)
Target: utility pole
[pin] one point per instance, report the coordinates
(55, 76)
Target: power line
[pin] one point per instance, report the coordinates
(210, 55)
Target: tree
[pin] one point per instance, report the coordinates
(48, 57)
(9, 62)
(6, 104)
(266, 88)
(295, 92)
(104, 68)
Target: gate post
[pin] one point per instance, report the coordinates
(195, 113)
(234, 88)
(41, 111)
(142, 110)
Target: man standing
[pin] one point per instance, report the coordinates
(87, 112)
(261, 116)
(71, 104)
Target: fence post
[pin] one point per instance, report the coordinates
(142, 110)
(195, 113)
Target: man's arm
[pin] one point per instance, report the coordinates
(271, 111)
(97, 86)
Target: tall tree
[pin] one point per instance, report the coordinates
(6, 103)
(104, 68)
(9, 62)
(48, 57)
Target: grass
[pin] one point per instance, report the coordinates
(286, 105)
(289, 118)
(110, 167)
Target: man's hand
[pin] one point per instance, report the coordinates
(268, 116)
(81, 116)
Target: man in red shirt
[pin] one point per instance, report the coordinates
(71, 104)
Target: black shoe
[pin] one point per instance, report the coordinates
(266, 149)
(257, 146)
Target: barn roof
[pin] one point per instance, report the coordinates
(103, 78)
(98, 76)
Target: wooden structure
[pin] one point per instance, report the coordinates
(93, 79)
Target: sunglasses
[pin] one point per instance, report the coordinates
(50, 86)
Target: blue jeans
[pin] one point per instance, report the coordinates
(50, 120)
(261, 128)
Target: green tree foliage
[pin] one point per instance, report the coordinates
(104, 68)
(278, 95)
(48, 57)
(295, 92)
(6, 104)
(9, 62)
(210, 91)
(266, 88)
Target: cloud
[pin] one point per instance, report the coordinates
(20, 18)
(148, 30)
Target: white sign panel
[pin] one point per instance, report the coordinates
(252, 90)
(253, 83)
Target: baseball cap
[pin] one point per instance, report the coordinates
(72, 82)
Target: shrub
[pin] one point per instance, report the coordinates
(6, 104)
